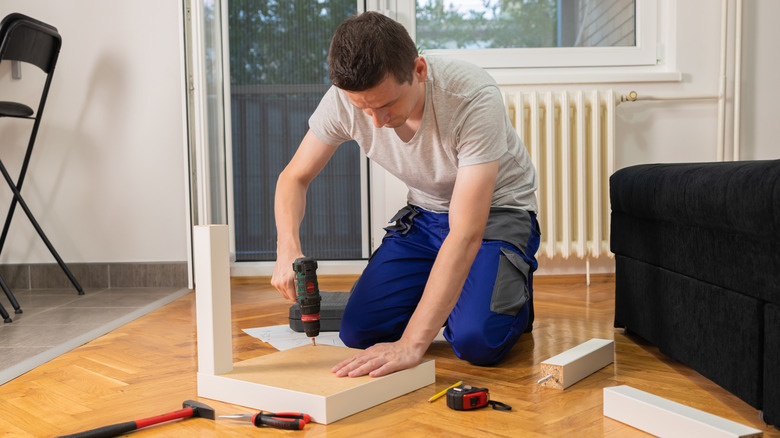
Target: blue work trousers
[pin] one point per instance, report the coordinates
(495, 305)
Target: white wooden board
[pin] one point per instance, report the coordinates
(293, 380)
(212, 298)
(578, 362)
(665, 418)
(300, 380)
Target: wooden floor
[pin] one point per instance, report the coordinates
(148, 367)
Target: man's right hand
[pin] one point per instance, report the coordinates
(283, 278)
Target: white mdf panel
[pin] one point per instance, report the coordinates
(212, 298)
(578, 362)
(298, 379)
(665, 418)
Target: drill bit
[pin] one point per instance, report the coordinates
(313, 342)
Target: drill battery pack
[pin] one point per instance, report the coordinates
(331, 310)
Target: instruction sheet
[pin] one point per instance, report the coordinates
(282, 337)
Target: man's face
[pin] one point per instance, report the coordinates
(390, 104)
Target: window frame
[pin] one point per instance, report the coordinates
(648, 60)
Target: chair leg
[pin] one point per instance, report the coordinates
(3, 312)
(10, 296)
(7, 225)
(38, 228)
(5, 315)
(25, 162)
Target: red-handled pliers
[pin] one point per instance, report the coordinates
(282, 420)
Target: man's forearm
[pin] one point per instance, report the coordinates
(290, 197)
(290, 205)
(289, 208)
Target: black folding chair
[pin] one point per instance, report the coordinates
(28, 40)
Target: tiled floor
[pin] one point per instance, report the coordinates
(55, 321)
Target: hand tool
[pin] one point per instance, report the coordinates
(466, 397)
(308, 295)
(439, 395)
(282, 420)
(191, 408)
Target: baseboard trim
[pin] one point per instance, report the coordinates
(95, 275)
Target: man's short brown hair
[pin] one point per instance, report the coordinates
(366, 48)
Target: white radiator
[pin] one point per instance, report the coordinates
(571, 139)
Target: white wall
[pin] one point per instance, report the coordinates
(687, 131)
(760, 132)
(106, 179)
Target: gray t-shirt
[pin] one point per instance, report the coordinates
(464, 123)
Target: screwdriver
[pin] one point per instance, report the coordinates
(284, 420)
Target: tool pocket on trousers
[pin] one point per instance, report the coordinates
(510, 292)
(402, 221)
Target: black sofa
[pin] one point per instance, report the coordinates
(697, 251)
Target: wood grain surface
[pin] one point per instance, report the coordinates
(149, 366)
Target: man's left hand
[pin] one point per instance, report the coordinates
(380, 360)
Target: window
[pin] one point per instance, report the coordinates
(501, 34)
(500, 24)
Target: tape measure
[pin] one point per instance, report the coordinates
(467, 397)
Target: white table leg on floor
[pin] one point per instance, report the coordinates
(212, 297)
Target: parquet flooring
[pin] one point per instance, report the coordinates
(148, 367)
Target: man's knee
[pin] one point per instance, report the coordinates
(351, 333)
(487, 342)
(361, 330)
(350, 340)
(475, 349)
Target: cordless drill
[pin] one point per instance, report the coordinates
(308, 295)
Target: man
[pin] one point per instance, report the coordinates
(461, 254)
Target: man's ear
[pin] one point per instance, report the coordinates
(420, 69)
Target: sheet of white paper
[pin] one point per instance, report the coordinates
(282, 337)
(266, 333)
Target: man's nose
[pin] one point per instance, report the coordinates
(379, 117)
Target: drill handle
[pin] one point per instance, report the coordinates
(306, 278)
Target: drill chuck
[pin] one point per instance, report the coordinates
(308, 294)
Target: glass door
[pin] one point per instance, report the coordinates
(278, 74)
